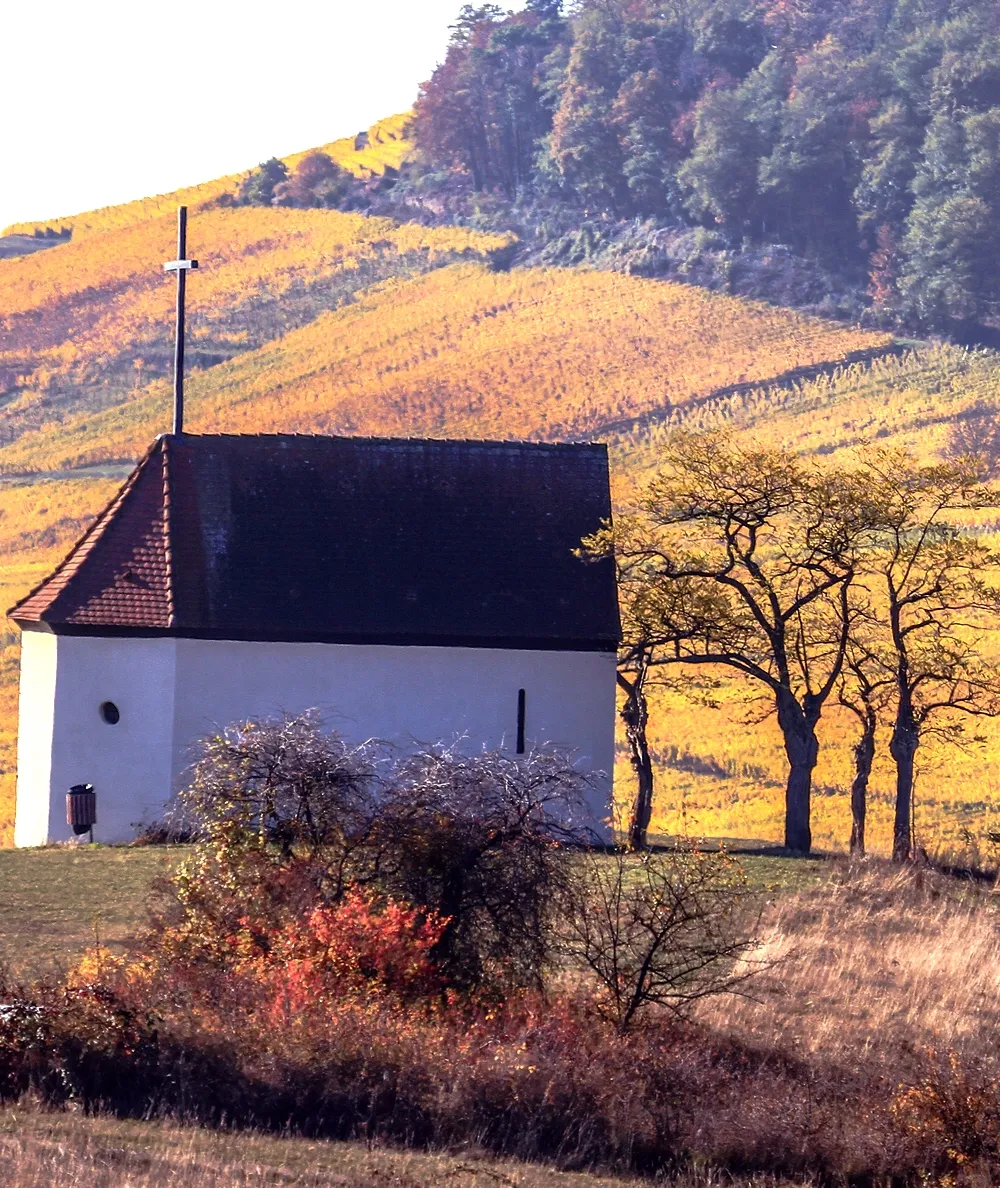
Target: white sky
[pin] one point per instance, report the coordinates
(104, 101)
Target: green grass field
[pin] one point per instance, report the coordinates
(58, 901)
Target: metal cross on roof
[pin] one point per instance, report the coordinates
(181, 266)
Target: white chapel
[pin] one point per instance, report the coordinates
(412, 590)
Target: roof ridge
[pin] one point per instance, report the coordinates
(370, 437)
(101, 521)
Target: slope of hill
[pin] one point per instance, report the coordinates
(383, 146)
(464, 351)
(908, 398)
(321, 321)
(87, 324)
(26, 245)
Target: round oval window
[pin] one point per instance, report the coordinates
(109, 712)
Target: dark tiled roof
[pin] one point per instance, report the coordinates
(119, 572)
(339, 538)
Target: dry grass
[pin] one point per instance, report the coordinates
(880, 980)
(41, 1150)
(875, 961)
(867, 1047)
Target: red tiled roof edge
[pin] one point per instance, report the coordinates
(63, 573)
(168, 547)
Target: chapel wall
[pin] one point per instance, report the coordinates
(128, 762)
(36, 703)
(172, 693)
(412, 696)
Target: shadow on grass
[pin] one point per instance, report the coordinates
(744, 847)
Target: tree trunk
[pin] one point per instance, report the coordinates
(903, 748)
(864, 755)
(635, 715)
(801, 747)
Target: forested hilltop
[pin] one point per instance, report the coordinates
(841, 156)
(841, 153)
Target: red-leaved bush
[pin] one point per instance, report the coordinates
(306, 973)
(352, 947)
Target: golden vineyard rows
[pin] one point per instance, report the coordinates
(91, 322)
(909, 398)
(461, 351)
(387, 147)
(115, 284)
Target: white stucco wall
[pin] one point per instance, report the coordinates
(36, 701)
(129, 764)
(171, 693)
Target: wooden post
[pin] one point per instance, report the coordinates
(181, 266)
(179, 335)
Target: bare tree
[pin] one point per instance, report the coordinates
(865, 689)
(975, 437)
(659, 930)
(635, 661)
(743, 556)
(931, 578)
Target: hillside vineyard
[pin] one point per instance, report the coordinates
(319, 321)
(461, 351)
(385, 146)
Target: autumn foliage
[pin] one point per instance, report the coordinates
(88, 325)
(350, 947)
(358, 950)
(462, 352)
(336, 1033)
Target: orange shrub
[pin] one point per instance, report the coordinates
(354, 947)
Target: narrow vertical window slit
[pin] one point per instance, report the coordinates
(520, 721)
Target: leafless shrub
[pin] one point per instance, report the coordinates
(291, 816)
(479, 841)
(976, 435)
(288, 782)
(660, 930)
